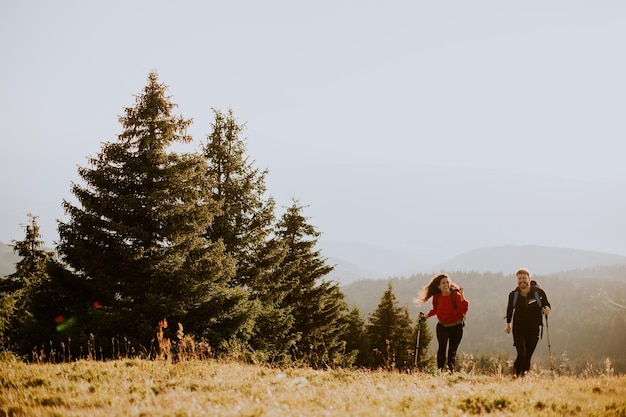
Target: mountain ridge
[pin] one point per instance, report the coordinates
(537, 258)
(357, 261)
(506, 259)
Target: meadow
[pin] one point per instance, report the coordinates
(216, 388)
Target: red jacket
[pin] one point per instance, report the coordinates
(446, 310)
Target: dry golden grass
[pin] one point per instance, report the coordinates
(211, 388)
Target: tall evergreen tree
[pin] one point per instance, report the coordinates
(318, 304)
(135, 234)
(245, 225)
(246, 219)
(391, 333)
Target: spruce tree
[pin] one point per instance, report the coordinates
(31, 267)
(245, 221)
(391, 333)
(135, 234)
(245, 226)
(42, 303)
(358, 349)
(7, 309)
(318, 304)
(16, 291)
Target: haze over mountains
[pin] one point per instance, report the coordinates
(417, 216)
(382, 220)
(355, 262)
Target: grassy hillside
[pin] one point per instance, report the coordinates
(146, 388)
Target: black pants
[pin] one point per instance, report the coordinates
(525, 340)
(452, 336)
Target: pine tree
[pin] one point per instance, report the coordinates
(31, 267)
(391, 333)
(16, 289)
(18, 318)
(274, 338)
(245, 226)
(245, 222)
(7, 309)
(136, 233)
(318, 305)
(358, 350)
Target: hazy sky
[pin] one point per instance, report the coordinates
(448, 124)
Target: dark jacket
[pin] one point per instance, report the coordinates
(527, 309)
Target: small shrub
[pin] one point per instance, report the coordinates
(617, 410)
(37, 382)
(480, 405)
(51, 402)
(14, 412)
(8, 357)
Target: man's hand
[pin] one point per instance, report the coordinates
(546, 310)
(507, 329)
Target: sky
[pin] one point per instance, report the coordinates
(428, 127)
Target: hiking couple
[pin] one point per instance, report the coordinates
(527, 301)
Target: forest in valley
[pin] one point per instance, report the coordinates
(167, 254)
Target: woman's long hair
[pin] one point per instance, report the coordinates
(433, 288)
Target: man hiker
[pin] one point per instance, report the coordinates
(526, 305)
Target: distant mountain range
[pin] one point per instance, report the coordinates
(7, 259)
(355, 261)
(539, 259)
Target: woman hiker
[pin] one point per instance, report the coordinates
(450, 307)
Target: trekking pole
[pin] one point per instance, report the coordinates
(549, 347)
(417, 341)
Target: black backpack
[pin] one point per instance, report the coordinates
(533, 285)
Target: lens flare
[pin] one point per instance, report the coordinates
(66, 324)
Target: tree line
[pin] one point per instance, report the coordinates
(165, 251)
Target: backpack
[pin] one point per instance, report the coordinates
(436, 301)
(535, 286)
(516, 294)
